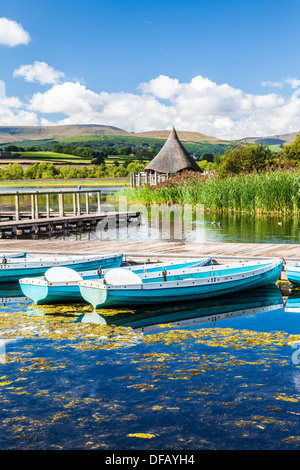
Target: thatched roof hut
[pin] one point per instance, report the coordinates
(172, 158)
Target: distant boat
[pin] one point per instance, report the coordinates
(264, 299)
(8, 256)
(184, 285)
(60, 285)
(293, 273)
(30, 267)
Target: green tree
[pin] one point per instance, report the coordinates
(246, 158)
(291, 152)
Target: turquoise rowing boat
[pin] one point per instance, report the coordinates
(60, 285)
(192, 284)
(293, 273)
(30, 267)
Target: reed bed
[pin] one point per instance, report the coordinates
(274, 192)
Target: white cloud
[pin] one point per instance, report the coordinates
(12, 113)
(294, 82)
(200, 105)
(39, 72)
(162, 87)
(2, 89)
(12, 33)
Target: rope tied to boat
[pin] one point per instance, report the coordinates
(164, 274)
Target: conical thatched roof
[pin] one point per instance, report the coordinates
(172, 157)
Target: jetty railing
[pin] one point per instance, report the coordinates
(48, 221)
(35, 212)
(144, 178)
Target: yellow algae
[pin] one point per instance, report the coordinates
(142, 435)
(285, 398)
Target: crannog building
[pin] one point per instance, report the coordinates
(172, 158)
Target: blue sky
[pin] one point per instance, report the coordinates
(224, 68)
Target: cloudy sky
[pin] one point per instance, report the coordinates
(226, 68)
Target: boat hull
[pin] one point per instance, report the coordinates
(12, 272)
(104, 296)
(42, 292)
(293, 274)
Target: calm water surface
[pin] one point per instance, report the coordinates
(164, 225)
(220, 374)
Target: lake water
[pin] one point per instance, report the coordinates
(219, 374)
(164, 224)
(215, 374)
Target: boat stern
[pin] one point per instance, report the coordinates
(94, 292)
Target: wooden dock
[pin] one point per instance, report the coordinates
(35, 221)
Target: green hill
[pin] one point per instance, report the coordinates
(137, 143)
(25, 133)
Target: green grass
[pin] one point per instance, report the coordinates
(94, 182)
(50, 157)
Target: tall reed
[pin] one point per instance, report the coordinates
(274, 192)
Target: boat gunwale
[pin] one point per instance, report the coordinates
(52, 262)
(183, 282)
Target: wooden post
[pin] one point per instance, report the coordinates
(47, 206)
(17, 207)
(155, 178)
(32, 206)
(78, 203)
(139, 179)
(36, 201)
(146, 177)
(74, 204)
(87, 203)
(99, 202)
(61, 204)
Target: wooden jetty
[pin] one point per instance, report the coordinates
(17, 222)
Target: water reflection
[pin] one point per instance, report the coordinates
(266, 299)
(163, 223)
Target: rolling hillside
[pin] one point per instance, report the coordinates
(26, 133)
(184, 136)
(197, 144)
(279, 139)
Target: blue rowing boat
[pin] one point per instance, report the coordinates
(192, 284)
(60, 285)
(29, 267)
(293, 273)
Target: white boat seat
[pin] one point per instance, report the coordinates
(61, 274)
(120, 276)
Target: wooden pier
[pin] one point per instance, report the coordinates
(18, 221)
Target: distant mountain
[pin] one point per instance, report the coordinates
(279, 139)
(185, 136)
(22, 133)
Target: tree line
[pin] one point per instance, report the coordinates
(43, 170)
